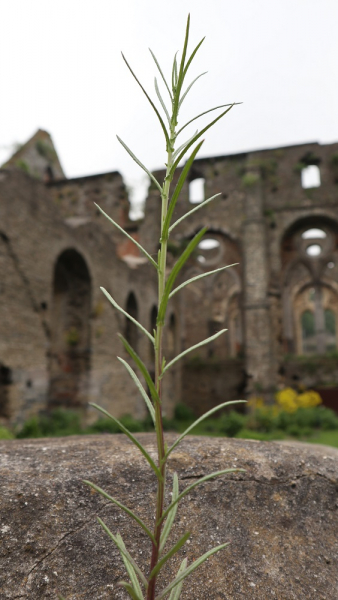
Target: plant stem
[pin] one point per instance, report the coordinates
(158, 366)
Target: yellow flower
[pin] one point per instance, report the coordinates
(287, 400)
(290, 401)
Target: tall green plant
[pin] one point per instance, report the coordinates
(142, 585)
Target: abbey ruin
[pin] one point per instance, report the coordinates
(276, 220)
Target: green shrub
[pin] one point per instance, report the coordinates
(106, 425)
(5, 434)
(327, 418)
(231, 423)
(30, 429)
(183, 412)
(60, 422)
(317, 417)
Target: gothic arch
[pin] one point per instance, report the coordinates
(69, 356)
(309, 251)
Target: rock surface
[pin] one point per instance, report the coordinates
(281, 517)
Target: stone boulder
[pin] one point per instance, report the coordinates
(281, 517)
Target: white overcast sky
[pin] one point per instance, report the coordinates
(61, 70)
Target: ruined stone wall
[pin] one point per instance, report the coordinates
(58, 333)
(58, 342)
(261, 210)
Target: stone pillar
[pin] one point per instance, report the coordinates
(257, 326)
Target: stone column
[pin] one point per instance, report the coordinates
(257, 326)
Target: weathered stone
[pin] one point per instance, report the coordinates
(281, 517)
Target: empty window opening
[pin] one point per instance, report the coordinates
(49, 175)
(308, 332)
(131, 330)
(313, 234)
(196, 191)
(5, 381)
(153, 319)
(69, 357)
(312, 294)
(210, 249)
(330, 330)
(208, 244)
(314, 250)
(201, 259)
(171, 332)
(310, 177)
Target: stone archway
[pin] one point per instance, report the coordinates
(69, 358)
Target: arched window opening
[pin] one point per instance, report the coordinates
(153, 319)
(310, 177)
(171, 344)
(5, 381)
(330, 330)
(196, 190)
(70, 331)
(235, 331)
(313, 234)
(314, 250)
(210, 250)
(308, 332)
(131, 330)
(49, 175)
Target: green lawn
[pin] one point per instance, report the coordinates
(327, 438)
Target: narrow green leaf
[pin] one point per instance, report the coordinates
(132, 439)
(161, 101)
(201, 205)
(198, 421)
(174, 73)
(122, 507)
(206, 112)
(169, 554)
(160, 70)
(181, 74)
(166, 135)
(140, 387)
(138, 162)
(129, 563)
(171, 517)
(142, 367)
(200, 276)
(190, 86)
(118, 307)
(174, 272)
(128, 236)
(192, 55)
(129, 588)
(196, 483)
(179, 158)
(125, 554)
(176, 591)
(61, 597)
(178, 188)
(202, 343)
(190, 570)
(176, 153)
